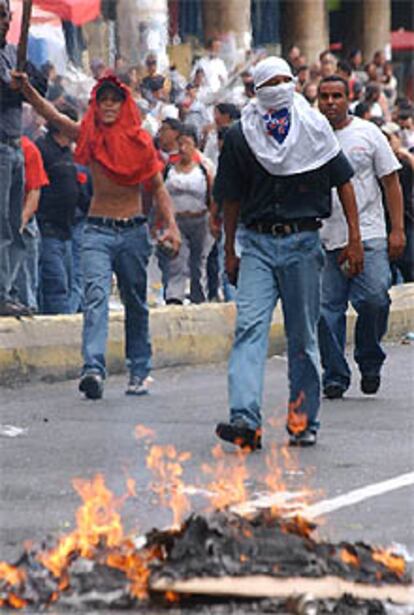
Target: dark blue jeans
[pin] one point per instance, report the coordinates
(11, 204)
(368, 295)
(126, 253)
(54, 275)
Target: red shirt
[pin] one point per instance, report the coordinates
(35, 174)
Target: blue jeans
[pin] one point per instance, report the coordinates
(126, 252)
(11, 204)
(288, 268)
(368, 294)
(54, 275)
(26, 284)
(76, 298)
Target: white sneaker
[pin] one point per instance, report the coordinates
(138, 386)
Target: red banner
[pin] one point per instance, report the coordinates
(76, 11)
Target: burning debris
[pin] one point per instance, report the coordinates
(265, 560)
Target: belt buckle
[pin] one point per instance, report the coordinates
(276, 229)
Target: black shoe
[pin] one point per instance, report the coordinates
(333, 391)
(304, 438)
(92, 385)
(240, 434)
(370, 384)
(10, 308)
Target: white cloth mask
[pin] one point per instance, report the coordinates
(276, 97)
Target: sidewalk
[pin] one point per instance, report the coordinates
(48, 347)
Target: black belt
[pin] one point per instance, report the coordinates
(282, 229)
(11, 141)
(117, 223)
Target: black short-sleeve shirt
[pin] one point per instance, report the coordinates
(277, 198)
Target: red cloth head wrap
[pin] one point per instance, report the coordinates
(124, 149)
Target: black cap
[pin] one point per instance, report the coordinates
(108, 84)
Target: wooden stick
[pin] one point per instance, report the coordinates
(24, 35)
(261, 586)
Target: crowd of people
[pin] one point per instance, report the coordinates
(48, 279)
(282, 180)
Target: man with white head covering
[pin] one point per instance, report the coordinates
(275, 173)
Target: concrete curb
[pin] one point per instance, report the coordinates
(48, 347)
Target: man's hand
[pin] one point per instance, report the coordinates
(353, 254)
(170, 238)
(18, 81)
(214, 225)
(232, 265)
(396, 244)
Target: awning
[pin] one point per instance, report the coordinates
(76, 11)
(39, 17)
(402, 40)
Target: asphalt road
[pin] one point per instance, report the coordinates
(363, 440)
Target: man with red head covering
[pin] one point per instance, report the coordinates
(121, 156)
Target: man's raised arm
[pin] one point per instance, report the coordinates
(20, 82)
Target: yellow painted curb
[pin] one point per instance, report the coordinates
(48, 347)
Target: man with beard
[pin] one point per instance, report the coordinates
(373, 160)
(275, 174)
(121, 156)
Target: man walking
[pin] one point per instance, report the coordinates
(372, 159)
(121, 156)
(276, 171)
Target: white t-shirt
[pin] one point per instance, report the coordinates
(371, 157)
(215, 72)
(188, 191)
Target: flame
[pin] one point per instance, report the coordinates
(172, 597)
(166, 463)
(297, 421)
(229, 487)
(134, 565)
(273, 478)
(142, 432)
(98, 520)
(349, 558)
(390, 560)
(16, 602)
(11, 574)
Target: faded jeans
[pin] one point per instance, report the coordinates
(26, 283)
(126, 252)
(288, 268)
(11, 205)
(368, 294)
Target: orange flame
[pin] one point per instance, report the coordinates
(166, 463)
(134, 565)
(349, 558)
(16, 602)
(393, 562)
(97, 520)
(172, 597)
(229, 487)
(142, 432)
(297, 421)
(11, 574)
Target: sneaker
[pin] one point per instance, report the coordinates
(370, 384)
(240, 434)
(91, 384)
(11, 308)
(333, 391)
(138, 386)
(304, 438)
